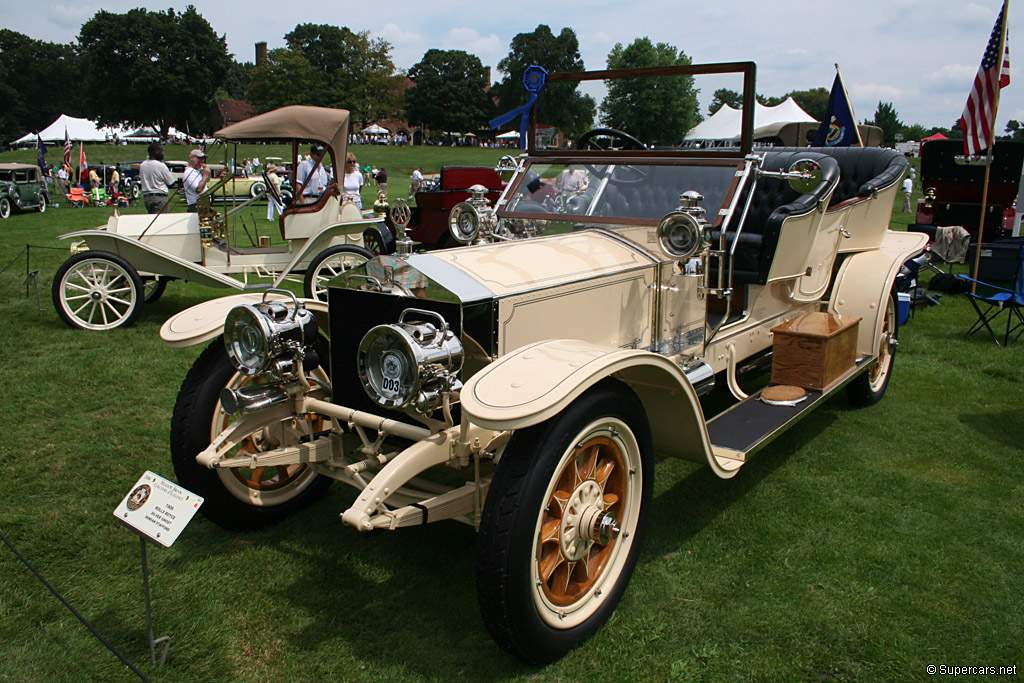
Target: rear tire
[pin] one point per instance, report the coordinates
(546, 581)
(153, 288)
(870, 386)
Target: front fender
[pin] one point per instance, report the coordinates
(205, 321)
(865, 279)
(538, 381)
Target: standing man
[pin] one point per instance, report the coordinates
(908, 188)
(311, 176)
(194, 178)
(417, 181)
(156, 179)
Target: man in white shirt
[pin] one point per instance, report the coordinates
(416, 182)
(908, 188)
(311, 176)
(195, 177)
(156, 179)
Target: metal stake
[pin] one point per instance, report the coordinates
(149, 613)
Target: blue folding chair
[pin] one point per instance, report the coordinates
(998, 302)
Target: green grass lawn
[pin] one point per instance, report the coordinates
(862, 545)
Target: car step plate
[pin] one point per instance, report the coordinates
(750, 425)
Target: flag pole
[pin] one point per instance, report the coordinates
(856, 128)
(988, 154)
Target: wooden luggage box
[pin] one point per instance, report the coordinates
(813, 350)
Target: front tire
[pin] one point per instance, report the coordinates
(5, 207)
(547, 577)
(330, 263)
(97, 290)
(237, 498)
(870, 386)
(42, 207)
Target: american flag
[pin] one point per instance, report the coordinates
(67, 148)
(979, 117)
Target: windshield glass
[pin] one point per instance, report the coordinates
(618, 193)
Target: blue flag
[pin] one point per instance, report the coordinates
(41, 153)
(839, 126)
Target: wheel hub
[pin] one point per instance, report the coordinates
(584, 506)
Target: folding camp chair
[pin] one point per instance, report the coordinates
(999, 301)
(77, 197)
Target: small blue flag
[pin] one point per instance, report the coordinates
(533, 78)
(839, 126)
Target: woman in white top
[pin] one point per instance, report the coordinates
(353, 182)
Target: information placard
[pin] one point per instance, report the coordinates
(158, 508)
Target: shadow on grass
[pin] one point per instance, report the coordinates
(997, 426)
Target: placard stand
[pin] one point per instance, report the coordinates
(157, 510)
(166, 640)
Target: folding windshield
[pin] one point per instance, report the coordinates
(619, 191)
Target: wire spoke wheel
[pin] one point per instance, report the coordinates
(329, 264)
(868, 388)
(97, 291)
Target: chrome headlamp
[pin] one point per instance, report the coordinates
(410, 364)
(681, 232)
(468, 220)
(271, 337)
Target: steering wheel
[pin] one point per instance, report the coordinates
(616, 140)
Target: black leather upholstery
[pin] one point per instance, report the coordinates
(773, 202)
(862, 170)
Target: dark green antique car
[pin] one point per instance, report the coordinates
(22, 188)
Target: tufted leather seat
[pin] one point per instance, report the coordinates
(773, 202)
(862, 170)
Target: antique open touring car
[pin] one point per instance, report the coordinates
(526, 387)
(114, 269)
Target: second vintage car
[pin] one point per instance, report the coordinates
(21, 189)
(526, 387)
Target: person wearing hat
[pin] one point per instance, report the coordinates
(272, 203)
(155, 179)
(194, 178)
(311, 175)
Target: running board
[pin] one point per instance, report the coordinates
(750, 425)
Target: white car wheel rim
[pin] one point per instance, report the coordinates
(98, 294)
(330, 268)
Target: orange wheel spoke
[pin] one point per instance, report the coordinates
(550, 560)
(549, 532)
(255, 479)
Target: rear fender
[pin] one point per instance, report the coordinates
(205, 321)
(537, 382)
(864, 281)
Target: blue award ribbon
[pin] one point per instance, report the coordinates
(533, 79)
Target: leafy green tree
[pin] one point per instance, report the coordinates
(450, 92)
(39, 81)
(914, 132)
(285, 78)
(560, 104)
(159, 68)
(237, 79)
(1015, 131)
(354, 71)
(813, 101)
(887, 119)
(725, 96)
(656, 110)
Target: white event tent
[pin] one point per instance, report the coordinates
(725, 124)
(79, 130)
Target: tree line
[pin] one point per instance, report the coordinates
(166, 68)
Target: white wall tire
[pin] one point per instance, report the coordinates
(96, 290)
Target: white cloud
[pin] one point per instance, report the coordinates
(874, 91)
(409, 46)
(489, 48)
(72, 16)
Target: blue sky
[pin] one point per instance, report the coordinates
(920, 55)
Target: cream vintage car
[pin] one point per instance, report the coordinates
(116, 268)
(526, 387)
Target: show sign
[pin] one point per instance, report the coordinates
(158, 508)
